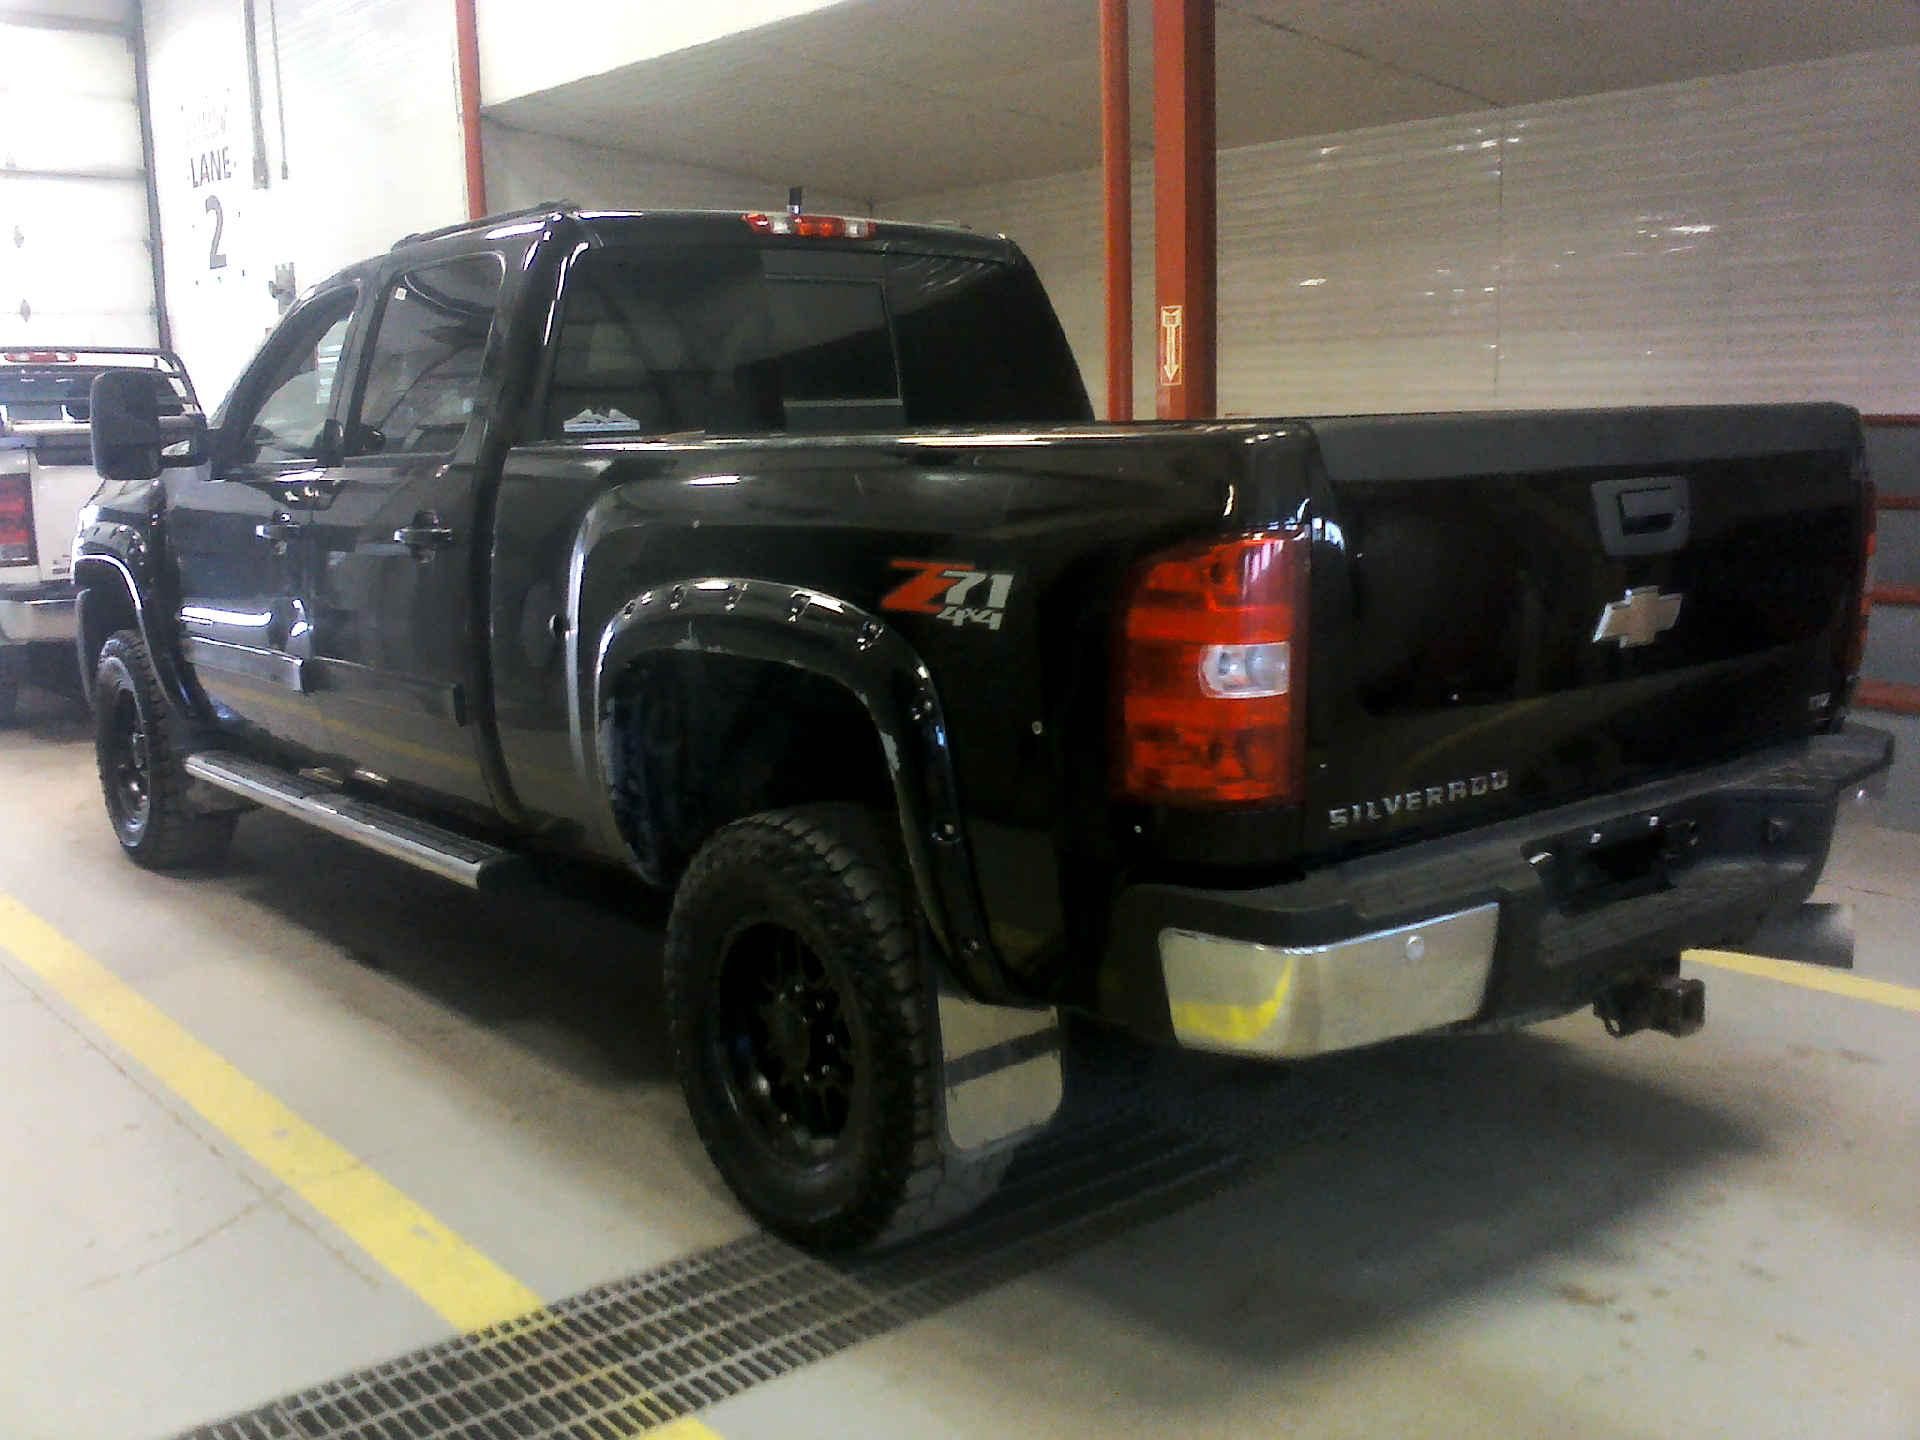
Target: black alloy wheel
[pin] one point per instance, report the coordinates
(786, 1048)
(126, 768)
(801, 998)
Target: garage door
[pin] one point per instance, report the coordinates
(75, 269)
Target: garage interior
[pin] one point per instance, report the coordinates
(321, 1146)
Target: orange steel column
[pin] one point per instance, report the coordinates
(1116, 164)
(1186, 352)
(466, 34)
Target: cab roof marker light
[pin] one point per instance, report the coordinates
(809, 227)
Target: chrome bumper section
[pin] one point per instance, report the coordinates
(36, 619)
(1288, 1002)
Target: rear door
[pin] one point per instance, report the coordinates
(233, 527)
(1523, 609)
(391, 548)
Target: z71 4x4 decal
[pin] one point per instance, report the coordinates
(953, 591)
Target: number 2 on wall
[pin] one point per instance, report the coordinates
(215, 259)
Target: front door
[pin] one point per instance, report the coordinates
(393, 534)
(233, 530)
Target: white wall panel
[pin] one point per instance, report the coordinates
(525, 168)
(1755, 237)
(76, 134)
(80, 261)
(1743, 238)
(371, 151)
(1360, 272)
(57, 65)
(74, 263)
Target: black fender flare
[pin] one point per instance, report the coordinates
(119, 559)
(793, 625)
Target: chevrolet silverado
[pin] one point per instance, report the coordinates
(776, 559)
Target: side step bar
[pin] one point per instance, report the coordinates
(472, 863)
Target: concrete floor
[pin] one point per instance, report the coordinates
(1546, 1233)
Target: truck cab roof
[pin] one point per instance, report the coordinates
(722, 227)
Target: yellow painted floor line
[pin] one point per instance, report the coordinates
(426, 1256)
(1814, 977)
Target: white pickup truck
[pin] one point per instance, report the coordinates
(46, 475)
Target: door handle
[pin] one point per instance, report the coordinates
(424, 536)
(278, 531)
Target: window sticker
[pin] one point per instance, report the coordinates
(611, 420)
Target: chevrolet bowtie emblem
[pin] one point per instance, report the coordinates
(1639, 619)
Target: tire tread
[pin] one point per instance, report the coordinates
(848, 870)
(177, 836)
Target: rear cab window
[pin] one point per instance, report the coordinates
(58, 394)
(742, 340)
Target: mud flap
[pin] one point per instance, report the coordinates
(1001, 1076)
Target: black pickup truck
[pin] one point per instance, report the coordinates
(775, 558)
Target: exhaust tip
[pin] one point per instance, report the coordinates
(1812, 934)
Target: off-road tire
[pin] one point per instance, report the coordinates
(833, 875)
(170, 834)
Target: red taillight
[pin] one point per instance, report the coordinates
(1869, 543)
(16, 521)
(1212, 662)
(812, 227)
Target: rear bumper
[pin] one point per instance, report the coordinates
(37, 614)
(1513, 920)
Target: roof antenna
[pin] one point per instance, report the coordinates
(793, 199)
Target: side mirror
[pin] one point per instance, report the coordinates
(190, 449)
(126, 425)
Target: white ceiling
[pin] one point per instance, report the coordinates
(889, 98)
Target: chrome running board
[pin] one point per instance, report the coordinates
(459, 858)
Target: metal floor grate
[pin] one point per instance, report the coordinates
(1141, 1137)
(639, 1352)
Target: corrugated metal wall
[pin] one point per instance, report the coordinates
(1749, 237)
(370, 150)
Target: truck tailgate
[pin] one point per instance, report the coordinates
(61, 479)
(1524, 609)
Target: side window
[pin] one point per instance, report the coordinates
(298, 393)
(424, 372)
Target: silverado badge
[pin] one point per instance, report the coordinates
(1641, 618)
(1431, 797)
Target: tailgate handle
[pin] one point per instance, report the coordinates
(1643, 515)
(1646, 512)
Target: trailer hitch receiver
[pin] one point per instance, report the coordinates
(1667, 1003)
